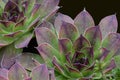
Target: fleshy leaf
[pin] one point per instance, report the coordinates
(57, 65)
(45, 35)
(108, 24)
(40, 73)
(83, 21)
(65, 45)
(28, 58)
(111, 66)
(47, 25)
(104, 54)
(80, 43)
(3, 74)
(69, 31)
(47, 6)
(93, 34)
(47, 52)
(24, 40)
(9, 54)
(112, 43)
(17, 72)
(10, 6)
(59, 19)
(52, 14)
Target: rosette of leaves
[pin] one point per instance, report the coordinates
(77, 48)
(19, 17)
(17, 72)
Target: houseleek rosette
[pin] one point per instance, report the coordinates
(77, 48)
(18, 17)
(17, 21)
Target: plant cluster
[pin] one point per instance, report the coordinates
(69, 49)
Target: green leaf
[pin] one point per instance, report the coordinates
(23, 41)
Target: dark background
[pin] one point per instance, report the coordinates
(97, 8)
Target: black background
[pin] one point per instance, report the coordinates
(97, 8)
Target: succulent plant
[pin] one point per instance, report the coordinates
(18, 17)
(17, 72)
(77, 48)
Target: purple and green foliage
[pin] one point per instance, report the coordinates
(19, 17)
(18, 72)
(77, 48)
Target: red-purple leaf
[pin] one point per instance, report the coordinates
(47, 6)
(80, 43)
(104, 54)
(9, 55)
(68, 30)
(45, 35)
(83, 21)
(10, 6)
(52, 13)
(59, 19)
(3, 74)
(40, 73)
(65, 45)
(47, 52)
(57, 65)
(24, 40)
(28, 58)
(93, 34)
(17, 72)
(111, 66)
(112, 43)
(108, 24)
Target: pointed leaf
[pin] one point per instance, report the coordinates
(80, 43)
(104, 54)
(111, 66)
(59, 19)
(47, 52)
(65, 45)
(28, 58)
(69, 31)
(47, 6)
(112, 43)
(52, 14)
(93, 34)
(30, 6)
(108, 24)
(17, 72)
(9, 54)
(24, 40)
(57, 65)
(3, 74)
(47, 25)
(10, 6)
(40, 73)
(83, 21)
(45, 35)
